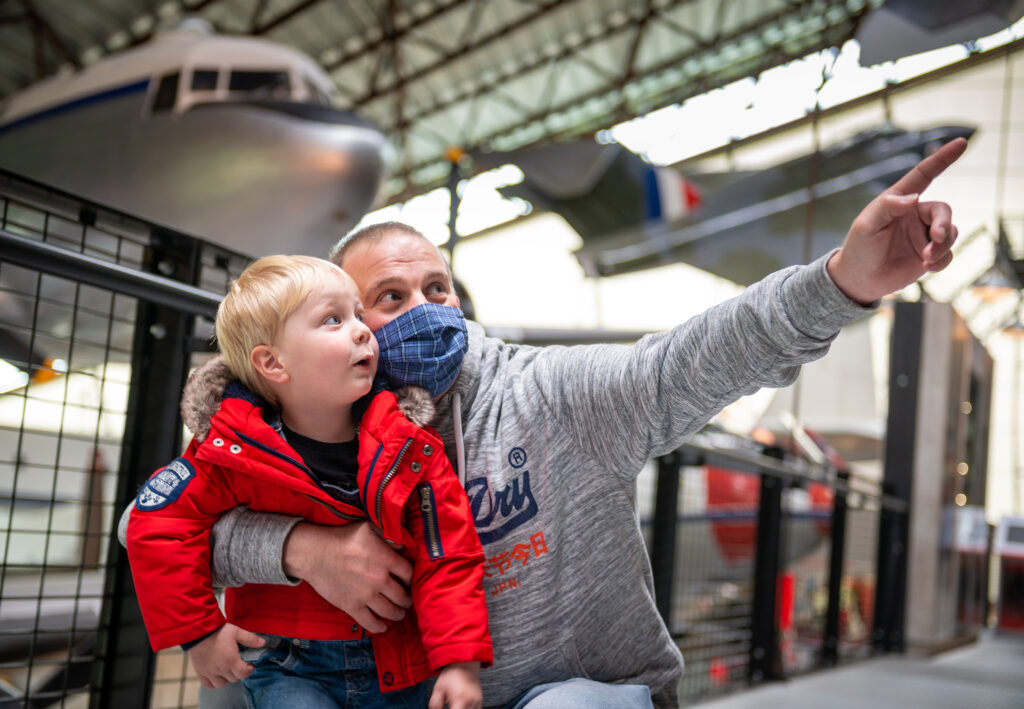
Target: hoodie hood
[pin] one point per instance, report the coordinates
(205, 389)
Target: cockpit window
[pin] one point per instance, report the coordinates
(315, 94)
(204, 80)
(166, 93)
(263, 83)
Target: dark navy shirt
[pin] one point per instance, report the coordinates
(334, 465)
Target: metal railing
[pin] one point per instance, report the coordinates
(101, 315)
(767, 568)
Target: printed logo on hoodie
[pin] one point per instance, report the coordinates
(498, 513)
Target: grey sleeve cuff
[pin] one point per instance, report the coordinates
(814, 304)
(122, 525)
(247, 547)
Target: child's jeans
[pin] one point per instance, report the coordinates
(320, 674)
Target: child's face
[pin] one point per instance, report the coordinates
(330, 355)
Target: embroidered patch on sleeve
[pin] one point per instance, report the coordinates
(166, 486)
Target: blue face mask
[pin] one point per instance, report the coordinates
(422, 347)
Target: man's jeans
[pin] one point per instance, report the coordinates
(584, 694)
(317, 674)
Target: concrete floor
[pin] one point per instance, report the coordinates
(988, 674)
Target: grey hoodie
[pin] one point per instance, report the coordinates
(554, 440)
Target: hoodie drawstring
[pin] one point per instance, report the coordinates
(460, 447)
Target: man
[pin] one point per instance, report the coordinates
(555, 437)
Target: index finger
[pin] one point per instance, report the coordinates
(922, 174)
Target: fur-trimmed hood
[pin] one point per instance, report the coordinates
(205, 389)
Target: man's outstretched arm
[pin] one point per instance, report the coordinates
(656, 393)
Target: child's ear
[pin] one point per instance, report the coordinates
(266, 362)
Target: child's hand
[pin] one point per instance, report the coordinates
(216, 658)
(458, 687)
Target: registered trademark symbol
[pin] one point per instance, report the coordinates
(517, 457)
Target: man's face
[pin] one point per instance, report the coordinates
(397, 273)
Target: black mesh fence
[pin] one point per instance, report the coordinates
(714, 577)
(762, 586)
(68, 349)
(803, 580)
(857, 599)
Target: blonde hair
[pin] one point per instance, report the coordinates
(259, 301)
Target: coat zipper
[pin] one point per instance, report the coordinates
(387, 479)
(430, 529)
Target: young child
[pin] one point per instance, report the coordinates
(285, 440)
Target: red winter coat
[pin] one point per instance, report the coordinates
(409, 493)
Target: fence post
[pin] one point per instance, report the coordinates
(765, 655)
(663, 533)
(830, 646)
(125, 665)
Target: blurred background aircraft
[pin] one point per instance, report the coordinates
(234, 139)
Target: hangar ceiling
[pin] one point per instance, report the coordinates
(478, 74)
